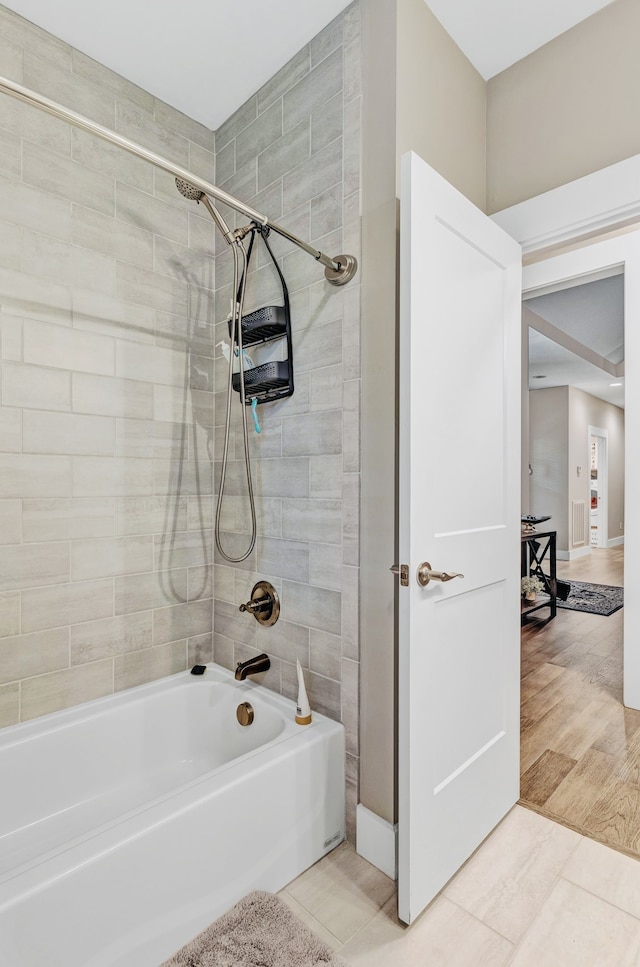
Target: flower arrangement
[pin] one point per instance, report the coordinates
(529, 585)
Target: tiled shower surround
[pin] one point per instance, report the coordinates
(114, 293)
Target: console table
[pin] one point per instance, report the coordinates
(536, 548)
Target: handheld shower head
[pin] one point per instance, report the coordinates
(194, 194)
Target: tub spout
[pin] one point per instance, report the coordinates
(261, 663)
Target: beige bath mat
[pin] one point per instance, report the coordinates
(259, 930)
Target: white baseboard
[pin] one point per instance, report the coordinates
(616, 541)
(574, 554)
(376, 841)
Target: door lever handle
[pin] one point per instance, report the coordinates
(426, 574)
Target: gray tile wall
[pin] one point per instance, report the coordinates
(293, 152)
(106, 392)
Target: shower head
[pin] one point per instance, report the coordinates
(189, 191)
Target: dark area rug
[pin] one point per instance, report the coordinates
(602, 599)
(260, 929)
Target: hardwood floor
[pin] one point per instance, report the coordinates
(580, 748)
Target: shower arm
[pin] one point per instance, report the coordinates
(338, 270)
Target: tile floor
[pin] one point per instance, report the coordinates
(535, 894)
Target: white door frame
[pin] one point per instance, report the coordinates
(574, 219)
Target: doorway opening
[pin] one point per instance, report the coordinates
(578, 741)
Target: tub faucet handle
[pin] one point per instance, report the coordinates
(264, 603)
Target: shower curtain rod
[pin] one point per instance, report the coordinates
(338, 270)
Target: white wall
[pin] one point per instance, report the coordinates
(548, 456)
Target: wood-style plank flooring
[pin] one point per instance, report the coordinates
(580, 748)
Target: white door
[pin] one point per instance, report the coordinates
(459, 689)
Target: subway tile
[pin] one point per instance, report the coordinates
(66, 604)
(65, 178)
(137, 124)
(289, 75)
(312, 519)
(62, 689)
(183, 125)
(10, 430)
(111, 237)
(283, 154)
(288, 642)
(226, 162)
(350, 613)
(200, 582)
(10, 521)
(33, 654)
(9, 704)
(109, 637)
(324, 693)
(321, 83)
(259, 134)
(45, 432)
(187, 549)
(111, 557)
(11, 59)
(223, 651)
(99, 155)
(350, 697)
(11, 335)
(313, 607)
(11, 246)
(152, 214)
(237, 122)
(139, 285)
(325, 566)
(71, 90)
(351, 168)
(351, 426)
(102, 313)
(38, 298)
(35, 386)
(199, 650)
(326, 388)
(200, 513)
(301, 271)
(351, 333)
(150, 364)
(327, 40)
(9, 614)
(232, 624)
(224, 582)
(325, 654)
(173, 405)
(312, 434)
(155, 589)
(148, 665)
(182, 621)
(186, 477)
(63, 519)
(283, 558)
(25, 475)
(20, 32)
(352, 70)
(111, 476)
(147, 438)
(68, 349)
(20, 120)
(109, 396)
(326, 211)
(285, 477)
(327, 124)
(321, 171)
(326, 476)
(107, 80)
(150, 515)
(10, 155)
(351, 518)
(320, 346)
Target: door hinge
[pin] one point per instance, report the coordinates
(403, 571)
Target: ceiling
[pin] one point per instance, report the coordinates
(206, 57)
(591, 315)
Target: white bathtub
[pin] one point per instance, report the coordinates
(128, 824)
